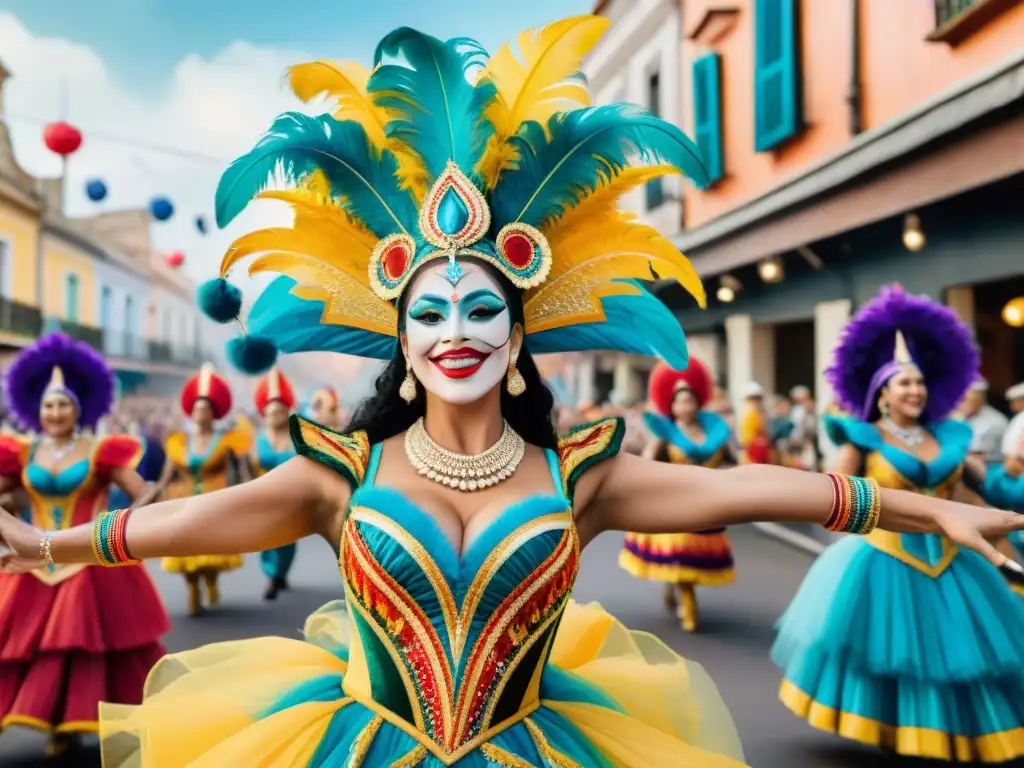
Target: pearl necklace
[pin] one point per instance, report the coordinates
(909, 436)
(465, 473)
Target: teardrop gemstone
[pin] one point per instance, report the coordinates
(452, 212)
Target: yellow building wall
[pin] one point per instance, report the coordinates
(59, 259)
(19, 229)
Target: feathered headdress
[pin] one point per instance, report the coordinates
(58, 363)
(442, 151)
(273, 386)
(665, 382)
(896, 329)
(207, 385)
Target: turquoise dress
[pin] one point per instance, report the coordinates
(1001, 490)
(902, 640)
(275, 562)
(437, 657)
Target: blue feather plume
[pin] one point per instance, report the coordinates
(294, 326)
(585, 146)
(361, 178)
(638, 324)
(437, 111)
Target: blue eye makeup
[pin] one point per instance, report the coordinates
(429, 310)
(482, 304)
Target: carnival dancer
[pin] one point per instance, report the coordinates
(201, 460)
(73, 635)
(905, 641)
(325, 407)
(274, 400)
(683, 433)
(480, 228)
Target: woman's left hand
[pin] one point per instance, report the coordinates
(977, 527)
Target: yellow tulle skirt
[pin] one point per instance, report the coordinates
(220, 706)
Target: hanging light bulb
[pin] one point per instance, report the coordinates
(1013, 313)
(725, 294)
(770, 270)
(913, 237)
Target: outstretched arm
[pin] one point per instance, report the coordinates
(629, 493)
(297, 499)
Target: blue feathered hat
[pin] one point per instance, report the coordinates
(441, 152)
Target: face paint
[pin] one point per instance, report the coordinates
(458, 331)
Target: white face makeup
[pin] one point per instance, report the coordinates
(458, 335)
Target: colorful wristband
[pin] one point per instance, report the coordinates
(109, 544)
(856, 504)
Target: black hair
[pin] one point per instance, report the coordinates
(386, 414)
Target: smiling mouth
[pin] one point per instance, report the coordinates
(460, 363)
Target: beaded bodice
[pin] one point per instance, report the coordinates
(451, 646)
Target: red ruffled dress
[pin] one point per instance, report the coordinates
(80, 634)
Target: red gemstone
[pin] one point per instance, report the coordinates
(518, 250)
(396, 259)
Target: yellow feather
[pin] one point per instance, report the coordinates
(592, 260)
(347, 302)
(321, 230)
(345, 82)
(539, 86)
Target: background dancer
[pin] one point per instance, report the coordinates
(866, 647)
(682, 433)
(201, 460)
(74, 635)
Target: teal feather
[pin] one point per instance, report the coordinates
(293, 324)
(437, 111)
(362, 179)
(638, 324)
(560, 166)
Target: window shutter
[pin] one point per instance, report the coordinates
(777, 108)
(707, 113)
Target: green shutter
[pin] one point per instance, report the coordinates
(71, 298)
(707, 113)
(777, 108)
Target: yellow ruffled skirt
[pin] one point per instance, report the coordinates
(201, 564)
(610, 698)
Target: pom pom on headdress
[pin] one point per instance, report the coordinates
(939, 344)
(86, 375)
(252, 354)
(219, 300)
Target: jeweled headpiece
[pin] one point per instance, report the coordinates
(892, 331)
(442, 151)
(58, 363)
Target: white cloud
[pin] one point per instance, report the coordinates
(216, 107)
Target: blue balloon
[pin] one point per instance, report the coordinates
(161, 208)
(201, 224)
(96, 190)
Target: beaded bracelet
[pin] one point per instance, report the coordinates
(45, 551)
(856, 504)
(108, 539)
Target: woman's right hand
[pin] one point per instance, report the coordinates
(20, 542)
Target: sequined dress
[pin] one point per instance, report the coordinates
(79, 634)
(904, 641)
(436, 658)
(705, 557)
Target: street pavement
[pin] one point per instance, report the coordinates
(733, 643)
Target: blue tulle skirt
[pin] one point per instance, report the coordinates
(876, 651)
(276, 563)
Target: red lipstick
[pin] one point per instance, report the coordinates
(460, 363)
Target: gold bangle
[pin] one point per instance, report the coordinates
(45, 550)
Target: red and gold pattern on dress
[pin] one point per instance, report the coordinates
(347, 454)
(586, 445)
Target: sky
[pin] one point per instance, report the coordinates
(201, 77)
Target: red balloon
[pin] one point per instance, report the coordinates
(62, 138)
(175, 259)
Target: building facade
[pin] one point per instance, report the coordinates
(97, 279)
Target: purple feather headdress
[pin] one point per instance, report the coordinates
(941, 346)
(88, 380)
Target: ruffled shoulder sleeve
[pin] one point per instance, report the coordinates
(239, 440)
(117, 452)
(846, 430)
(954, 437)
(584, 446)
(346, 454)
(14, 453)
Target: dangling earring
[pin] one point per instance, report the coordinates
(516, 384)
(408, 389)
(883, 408)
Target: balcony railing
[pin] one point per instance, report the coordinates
(947, 10)
(20, 319)
(91, 336)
